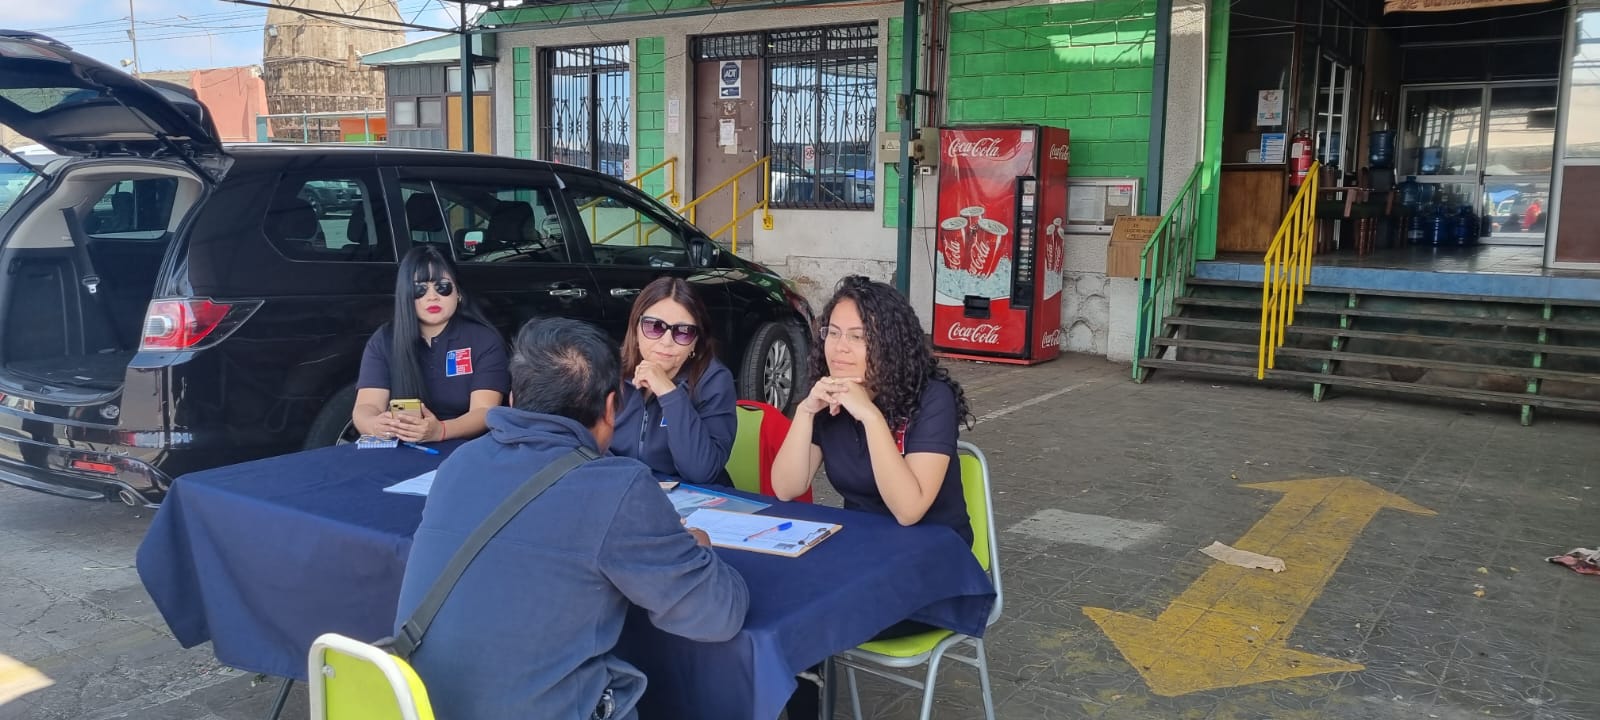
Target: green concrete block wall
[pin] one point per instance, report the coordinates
(522, 101)
(1086, 66)
(650, 111)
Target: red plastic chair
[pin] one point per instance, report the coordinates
(762, 428)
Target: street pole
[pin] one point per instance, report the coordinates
(134, 39)
(911, 37)
(466, 82)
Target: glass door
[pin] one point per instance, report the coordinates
(1575, 219)
(1443, 144)
(1519, 149)
(1335, 144)
(1486, 146)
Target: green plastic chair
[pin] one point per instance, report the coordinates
(351, 680)
(883, 657)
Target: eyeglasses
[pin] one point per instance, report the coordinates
(445, 288)
(831, 333)
(682, 333)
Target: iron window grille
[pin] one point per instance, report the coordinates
(589, 107)
(821, 114)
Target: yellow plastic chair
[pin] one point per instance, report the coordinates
(882, 657)
(351, 680)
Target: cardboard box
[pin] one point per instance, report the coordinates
(1128, 238)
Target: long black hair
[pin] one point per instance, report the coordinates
(423, 264)
(900, 361)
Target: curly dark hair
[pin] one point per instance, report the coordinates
(899, 358)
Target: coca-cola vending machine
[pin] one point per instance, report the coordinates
(1001, 243)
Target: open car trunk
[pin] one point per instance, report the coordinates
(82, 262)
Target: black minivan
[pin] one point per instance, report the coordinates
(169, 303)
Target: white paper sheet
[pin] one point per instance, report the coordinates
(419, 485)
(734, 530)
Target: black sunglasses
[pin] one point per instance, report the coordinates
(419, 289)
(682, 333)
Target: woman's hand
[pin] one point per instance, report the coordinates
(820, 398)
(412, 428)
(851, 395)
(651, 378)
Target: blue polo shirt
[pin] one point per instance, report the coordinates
(933, 429)
(465, 357)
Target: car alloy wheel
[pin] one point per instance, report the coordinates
(777, 374)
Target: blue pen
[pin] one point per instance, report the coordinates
(425, 449)
(780, 527)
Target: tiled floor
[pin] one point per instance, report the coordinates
(1449, 615)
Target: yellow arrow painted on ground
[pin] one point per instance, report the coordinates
(1230, 628)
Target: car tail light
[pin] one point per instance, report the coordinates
(94, 467)
(187, 324)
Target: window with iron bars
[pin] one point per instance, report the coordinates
(588, 106)
(821, 97)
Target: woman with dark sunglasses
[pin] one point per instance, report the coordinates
(676, 410)
(439, 350)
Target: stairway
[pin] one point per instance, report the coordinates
(1522, 352)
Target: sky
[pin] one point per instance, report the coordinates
(178, 34)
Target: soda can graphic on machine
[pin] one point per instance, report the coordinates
(1002, 209)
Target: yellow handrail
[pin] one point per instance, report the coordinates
(671, 195)
(763, 204)
(1287, 269)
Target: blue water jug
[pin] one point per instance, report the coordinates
(1411, 194)
(1465, 222)
(1381, 155)
(1416, 228)
(1441, 229)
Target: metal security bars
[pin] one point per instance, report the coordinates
(821, 110)
(588, 107)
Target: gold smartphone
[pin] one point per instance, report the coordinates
(410, 406)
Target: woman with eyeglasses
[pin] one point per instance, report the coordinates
(883, 417)
(676, 410)
(438, 350)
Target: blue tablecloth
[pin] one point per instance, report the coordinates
(260, 558)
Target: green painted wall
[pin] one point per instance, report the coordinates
(650, 110)
(1085, 66)
(549, 14)
(1216, 96)
(522, 101)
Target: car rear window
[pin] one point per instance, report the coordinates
(38, 100)
(133, 210)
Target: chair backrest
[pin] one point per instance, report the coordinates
(351, 680)
(762, 429)
(975, 488)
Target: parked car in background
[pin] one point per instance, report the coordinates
(209, 304)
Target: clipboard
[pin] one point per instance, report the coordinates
(760, 533)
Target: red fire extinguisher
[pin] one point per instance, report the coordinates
(1300, 157)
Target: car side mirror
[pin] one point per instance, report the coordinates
(471, 239)
(702, 252)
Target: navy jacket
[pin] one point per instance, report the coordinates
(528, 631)
(681, 437)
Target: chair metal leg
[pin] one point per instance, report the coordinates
(855, 695)
(983, 680)
(282, 699)
(825, 701)
(929, 684)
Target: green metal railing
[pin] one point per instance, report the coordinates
(1165, 266)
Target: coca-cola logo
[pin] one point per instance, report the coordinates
(1060, 152)
(985, 334)
(1054, 338)
(988, 147)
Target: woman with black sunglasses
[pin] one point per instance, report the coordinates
(676, 410)
(438, 350)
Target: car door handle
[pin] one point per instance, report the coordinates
(624, 292)
(569, 293)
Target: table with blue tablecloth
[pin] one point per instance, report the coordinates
(260, 558)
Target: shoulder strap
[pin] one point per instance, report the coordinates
(409, 638)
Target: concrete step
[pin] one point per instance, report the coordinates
(1388, 386)
(1417, 338)
(1343, 356)
(1345, 292)
(1306, 309)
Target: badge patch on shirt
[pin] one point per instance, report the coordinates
(458, 362)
